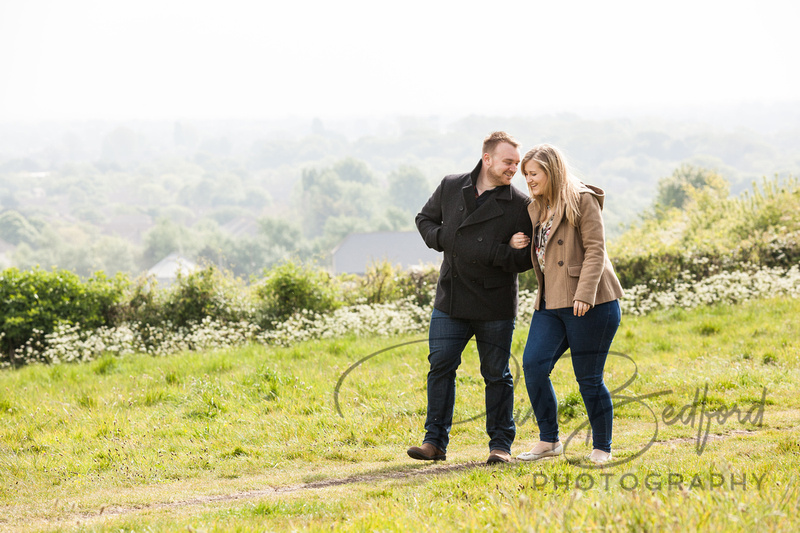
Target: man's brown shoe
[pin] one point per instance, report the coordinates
(498, 456)
(426, 452)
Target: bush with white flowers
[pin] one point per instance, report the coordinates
(724, 287)
(71, 343)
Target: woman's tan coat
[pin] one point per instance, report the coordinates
(576, 265)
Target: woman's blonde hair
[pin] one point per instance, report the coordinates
(562, 190)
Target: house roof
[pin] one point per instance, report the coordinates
(359, 250)
(168, 268)
(241, 226)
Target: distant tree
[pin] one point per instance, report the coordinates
(395, 219)
(215, 192)
(163, 239)
(244, 257)
(408, 188)
(321, 197)
(197, 193)
(153, 194)
(270, 154)
(68, 247)
(77, 195)
(16, 229)
(256, 197)
(325, 194)
(8, 200)
(359, 200)
(350, 169)
(280, 233)
(675, 190)
(178, 214)
(223, 215)
(227, 190)
(90, 213)
(339, 227)
(112, 255)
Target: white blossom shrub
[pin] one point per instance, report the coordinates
(724, 287)
(394, 318)
(71, 343)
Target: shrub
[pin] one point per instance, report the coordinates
(711, 234)
(33, 303)
(206, 293)
(143, 303)
(289, 288)
(194, 297)
(385, 283)
(420, 284)
(527, 281)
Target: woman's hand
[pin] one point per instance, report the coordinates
(519, 241)
(579, 308)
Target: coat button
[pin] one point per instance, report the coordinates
(560, 241)
(480, 239)
(461, 208)
(561, 263)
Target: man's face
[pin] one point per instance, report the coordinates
(501, 165)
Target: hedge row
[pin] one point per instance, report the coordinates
(37, 302)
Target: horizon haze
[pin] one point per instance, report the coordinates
(181, 60)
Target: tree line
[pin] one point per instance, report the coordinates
(119, 198)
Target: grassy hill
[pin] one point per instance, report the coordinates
(302, 423)
(313, 437)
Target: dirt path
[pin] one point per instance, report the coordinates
(435, 469)
(113, 511)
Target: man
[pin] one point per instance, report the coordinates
(471, 218)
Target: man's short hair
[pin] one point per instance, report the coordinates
(495, 138)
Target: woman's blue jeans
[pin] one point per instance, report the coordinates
(588, 339)
(447, 339)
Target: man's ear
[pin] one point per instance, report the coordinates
(486, 159)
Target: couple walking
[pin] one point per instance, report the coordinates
(489, 232)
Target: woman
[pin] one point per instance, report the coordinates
(577, 303)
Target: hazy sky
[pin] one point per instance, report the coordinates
(181, 59)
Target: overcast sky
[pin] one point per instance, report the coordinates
(182, 59)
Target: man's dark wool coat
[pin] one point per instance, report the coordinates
(478, 277)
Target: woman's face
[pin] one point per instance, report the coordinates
(535, 176)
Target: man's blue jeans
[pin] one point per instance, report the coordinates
(588, 339)
(447, 339)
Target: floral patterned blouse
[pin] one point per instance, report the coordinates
(541, 241)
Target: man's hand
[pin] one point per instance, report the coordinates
(519, 241)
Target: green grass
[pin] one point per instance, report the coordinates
(260, 438)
